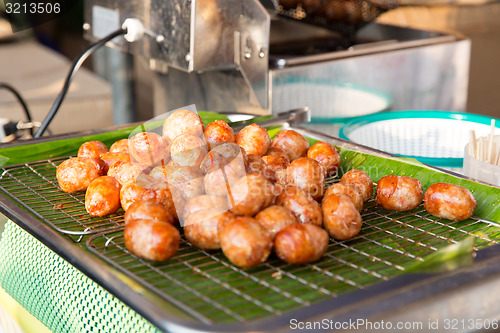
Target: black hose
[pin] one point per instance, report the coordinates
(20, 99)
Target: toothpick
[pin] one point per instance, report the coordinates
(490, 139)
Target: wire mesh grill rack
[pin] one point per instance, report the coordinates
(34, 187)
(207, 286)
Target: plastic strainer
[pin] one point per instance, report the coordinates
(436, 138)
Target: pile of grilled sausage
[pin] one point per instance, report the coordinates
(245, 194)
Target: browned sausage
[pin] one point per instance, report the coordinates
(275, 163)
(361, 180)
(340, 218)
(218, 132)
(292, 142)
(93, 149)
(182, 122)
(188, 180)
(327, 155)
(152, 240)
(203, 202)
(449, 201)
(399, 193)
(275, 218)
(148, 210)
(254, 139)
(250, 194)
(76, 174)
(277, 151)
(149, 149)
(223, 155)
(256, 164)
(245, 242)
(308, 175)
(188, 150)
(201, 228)
(301, 243)
(125, 172)
(120, 146)
(131, 192)
(350, 190)
(102, 196)
(110, 158)
(220, 181)
(301, 204)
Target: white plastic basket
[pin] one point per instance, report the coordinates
(436, 138)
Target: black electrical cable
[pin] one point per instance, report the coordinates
(20, 99)
(77, 63)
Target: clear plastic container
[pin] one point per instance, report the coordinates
(481, 170)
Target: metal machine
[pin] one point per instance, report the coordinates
(255, 57)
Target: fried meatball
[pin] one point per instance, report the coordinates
(301, 204)
(340, 217)
(201, 228)
(152, 240)
(308, 175)
(76, 174)
(327, 155)
(254, 139)
(361, 180)
(203, 202)
(109, 158)
(250, 194)
(102, 196)
(218, 132)
(301, 243)
(131, 192)
(148, 210)
(188, 150)
(449, 201)
(120, 146)
(399, 193)
(93, 149)
(222, 155)
(350, 190)
(292, 142)
(125, 172)
(149, 149)
(182, 122)
(245, 242)
(256, 164)
(277, 151)
(275, 218)
(275, 163)
(188, 180)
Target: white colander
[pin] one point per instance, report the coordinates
(436, 138)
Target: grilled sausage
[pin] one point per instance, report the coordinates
(301, 204)
(125, 172)
(327, 156)
(301, 243)
(102, 196)
(76, 174)
(218, 132)
(203, 202)
(149, 149)
(361, 180)
(92, 149)
(350, 190)
(275, 218)
(188, 150)
(152, 240)
(201, 228)
(308, 175)
(277, 151)
(109, 158)
(131, 192)
(223, 155)
(182, 122)
(250, 194)
(449, 201)
(399, 193)
(245, 242)
(256, 164)
(120, 146)
(340, 218)
(254, 139)
(275, 163)
(292, 142)
(148, 210)
(188, 180)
